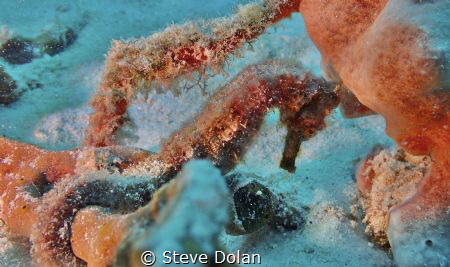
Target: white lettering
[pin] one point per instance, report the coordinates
(203, 258)
(256, 256)
(216, 257)
(238, 257)
(177, 258)
(167, 257)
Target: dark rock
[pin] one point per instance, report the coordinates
(255, 205)
(17, 51)
(287, 217)
(52, 45)
(8, 87)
